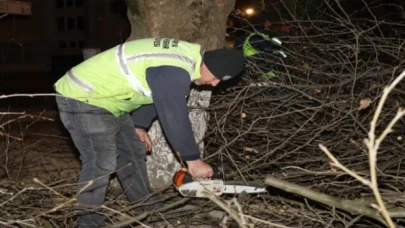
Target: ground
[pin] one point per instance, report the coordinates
(41, 165)
(39, 147)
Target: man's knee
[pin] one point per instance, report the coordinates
(107, 164)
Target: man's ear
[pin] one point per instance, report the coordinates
(203, 69)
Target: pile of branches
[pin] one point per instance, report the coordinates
(326, 92)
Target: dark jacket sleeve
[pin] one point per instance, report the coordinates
(169, 86)
(143, 116)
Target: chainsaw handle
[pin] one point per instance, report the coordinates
(182, 177)
(217, 173)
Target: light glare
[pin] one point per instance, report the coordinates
(249, 11)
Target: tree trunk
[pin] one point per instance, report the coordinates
(199, 21)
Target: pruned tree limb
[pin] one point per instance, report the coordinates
(350, 206)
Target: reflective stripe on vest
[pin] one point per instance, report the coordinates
(132, 79)
(86, 87)
(249, 50)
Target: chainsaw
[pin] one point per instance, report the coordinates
(189, 187)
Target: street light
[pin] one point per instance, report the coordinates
(245, 13)
(249, 11)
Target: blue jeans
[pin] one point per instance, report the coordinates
(107, 144)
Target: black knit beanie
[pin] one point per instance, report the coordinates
(224, 63)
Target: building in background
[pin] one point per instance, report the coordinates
(15, 7)
(37, 48)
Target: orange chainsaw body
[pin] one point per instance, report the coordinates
(185, 184)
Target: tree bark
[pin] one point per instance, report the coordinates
(199, 21)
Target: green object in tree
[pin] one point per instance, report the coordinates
(271, 74)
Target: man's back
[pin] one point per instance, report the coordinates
(117, 76)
